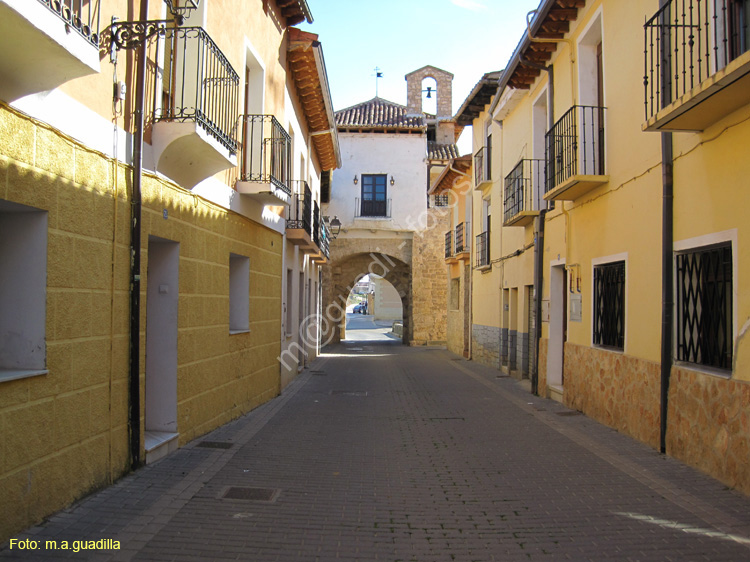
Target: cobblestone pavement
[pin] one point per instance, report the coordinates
(384, 452)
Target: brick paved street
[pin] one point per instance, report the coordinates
(382, 452)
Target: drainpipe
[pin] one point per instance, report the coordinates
(539, 241)
(667, 297)
(134, 407)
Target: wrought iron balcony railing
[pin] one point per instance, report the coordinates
(523, 188)
(482, 170)
(80, 15)
(449, 244)
(460, 236)
(687, 41)
(325, 240)
(316, 224)
(266, 152)
(372, 208)
(575, 145)
(300, 212)
(198, 83)
(483, 249)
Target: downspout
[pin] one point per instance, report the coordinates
(539, 242)
(667, 297)
(134, 409)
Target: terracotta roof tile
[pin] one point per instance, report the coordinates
(378, 114)
(436, 151)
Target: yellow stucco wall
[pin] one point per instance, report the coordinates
(65, 433)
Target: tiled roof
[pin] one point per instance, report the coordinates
(378, 114)
(436, 151)
(480, 96)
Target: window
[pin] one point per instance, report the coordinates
(704, 306)
(239, 293)
(609, 305)
(23, 290)
(288, 303)
(737, 27)
(374, 195)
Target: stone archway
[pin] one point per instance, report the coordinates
(343, 273)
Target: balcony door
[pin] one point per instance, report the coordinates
(737, 27)
(374, 195)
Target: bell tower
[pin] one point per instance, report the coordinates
(442, 122)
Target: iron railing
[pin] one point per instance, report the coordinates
(300, 212)
(316, 224)
(324, 239)
(523, 187)
(704, 307)
(197, 85)
(460, 236)
(80, 15)
(609, 305)
(482, 170)
(266, 152)
(372, 208)
(483, 249)
(687, 41)
(449, 244)
(575, 145)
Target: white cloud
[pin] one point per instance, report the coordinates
(469, 5)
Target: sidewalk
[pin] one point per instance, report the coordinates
(385, 452)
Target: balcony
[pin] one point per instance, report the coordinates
(483, 251)
(482, 168)
(265, 160)
(523, 188)
(194, 109)
(697, 64)
(299, 224)
(575, 154)
(449, 256)
(462, 250)
(46, 43)
(324, 238)
(372, 209)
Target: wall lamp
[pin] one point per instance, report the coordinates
(335, 225)
(356, 180)
(130, 34)
(392, 180)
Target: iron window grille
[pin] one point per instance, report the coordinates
(449, 244)
(704, 307)
(265, 152)
(301, 209)
(198, 83)
(687, 41)
(80, 15)
(482, 166)
(609, 305)
(483, 249)
(460, 232)
(575, 145)
(316, 224)
(523, 187)
(441, 200)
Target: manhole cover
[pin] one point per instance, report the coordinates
(570, 413)
(215, 445)
(348, 393)
(251, 494)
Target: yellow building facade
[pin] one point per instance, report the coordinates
(205, 320)
(586, 228)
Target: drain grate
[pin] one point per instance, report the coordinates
(569, 413)
(348, 393)
(251, 494)
(215, 445)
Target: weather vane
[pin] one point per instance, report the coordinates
(378, 74)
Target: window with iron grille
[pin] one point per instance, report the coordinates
(609, 305)
(704, 306)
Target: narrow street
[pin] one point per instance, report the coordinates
(386, 452)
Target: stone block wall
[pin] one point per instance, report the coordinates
(485, 346)
(708, 425)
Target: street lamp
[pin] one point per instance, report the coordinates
(335, 225)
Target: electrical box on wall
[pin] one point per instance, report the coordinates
(545, 310)
(576, 307)
(120, 90)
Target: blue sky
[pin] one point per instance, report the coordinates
(464, 37)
